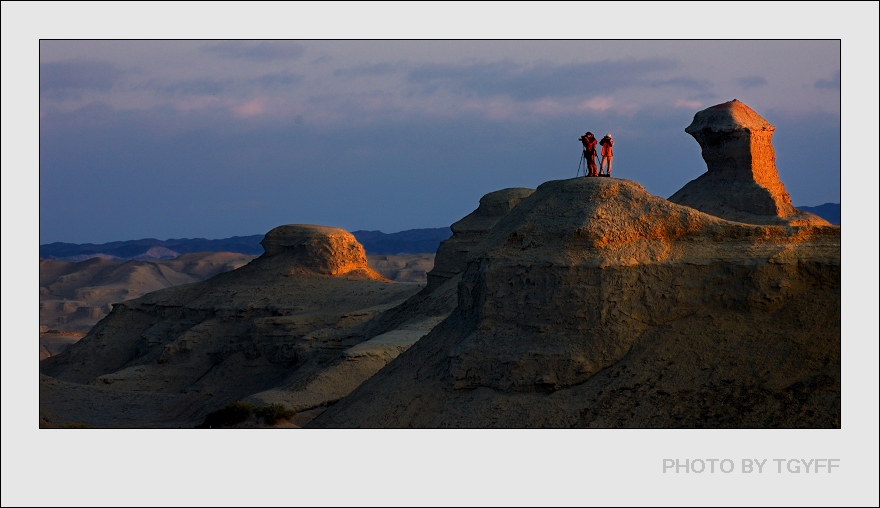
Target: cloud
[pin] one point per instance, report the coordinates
(60, 78)
(831, 84)
(261, 52)
(540, 80)
(201, 86)
(689, 104)
(280, 79)
(251, 108)
(378, 69)
(700, 85)
(750, 81)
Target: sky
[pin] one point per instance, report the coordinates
(219, 119)
(217, 138)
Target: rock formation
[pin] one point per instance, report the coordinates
(467, 233)
(386, 336)
(319, 249)
(196, 347)
(594, 303)
(742, 183)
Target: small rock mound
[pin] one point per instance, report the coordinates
(742, 183)
(320, 249)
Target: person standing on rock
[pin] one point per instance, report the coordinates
(607, 154)
(589, 142)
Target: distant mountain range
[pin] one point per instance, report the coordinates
(828, 211)
(412, 241)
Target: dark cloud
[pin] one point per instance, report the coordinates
(831, 84)
(750, 81)
(261, 52)
(378, 69)
(211, 86)
(530, 82)
(201, 86)
(702, 96)
(280, 79)
(700, 85)
(75, 77)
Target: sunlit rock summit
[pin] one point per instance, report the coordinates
(742, 183)
(320, 249)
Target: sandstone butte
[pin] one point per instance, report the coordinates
(584, 303)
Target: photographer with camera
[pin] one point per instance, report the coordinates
(589, 142)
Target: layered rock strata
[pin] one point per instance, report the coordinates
(594, 303)
(742, 183)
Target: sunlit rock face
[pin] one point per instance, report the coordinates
(321, 249)
(742, 183)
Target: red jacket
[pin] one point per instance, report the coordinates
(607, 143)
(590, 145)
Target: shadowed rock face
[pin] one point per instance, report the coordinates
(742, 183)
(594, 303)
(467, 233)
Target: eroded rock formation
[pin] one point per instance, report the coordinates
(196, 347)
(742, 183)
(320, 249)
(594, 303)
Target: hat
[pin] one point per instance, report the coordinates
(608, 135)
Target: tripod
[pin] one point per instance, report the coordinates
(581, 161)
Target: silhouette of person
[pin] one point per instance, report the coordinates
(607, 154)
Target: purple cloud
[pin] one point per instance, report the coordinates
(530, 82)
(279, 79)
(750, 81)
(261, 52)
(74, 77)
